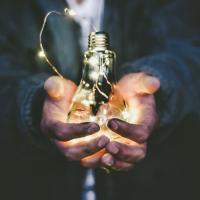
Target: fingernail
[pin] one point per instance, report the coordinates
(108, 160)
(113, 125)
(93, 128)
(103, 141)
(113, 149)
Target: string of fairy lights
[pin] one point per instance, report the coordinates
(67, 13)
(94, 75)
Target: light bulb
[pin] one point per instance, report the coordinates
(94, 100)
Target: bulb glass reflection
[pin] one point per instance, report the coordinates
(94, 100)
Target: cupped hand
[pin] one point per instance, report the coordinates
(137, 90)
(54, 122)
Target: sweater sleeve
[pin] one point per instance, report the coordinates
(176, 64)
(21, 86)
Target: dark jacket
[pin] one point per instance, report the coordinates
(158, 37)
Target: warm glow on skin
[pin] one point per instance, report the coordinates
(81, 149)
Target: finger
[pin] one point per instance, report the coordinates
(122, 166)
(147, 84)
(54, 87)
(108, 160)
(142, 110)
(102, 159)
(55, 110)
(57, 103)
(127, 152)
(93, 161)
(82, 148)
(138, 133)
(57, 87)
(67, 131)
(137, 83)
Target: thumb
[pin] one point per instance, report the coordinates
(137, 83)
(54, 87)
(147, 84)
(57, 88)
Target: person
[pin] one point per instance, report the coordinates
(158, 66)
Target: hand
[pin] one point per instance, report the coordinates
(56, 105)
(137, 90)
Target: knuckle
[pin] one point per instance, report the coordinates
(60, 131)
(140, 154)
(125, 154)
(93, 145)
(127, 157)
(142, 134)
(47, 127)
(87, 150)
(128, 130)
(53, 126)
(46, 124)
(69, 155)
(60, 134)
(142, 139)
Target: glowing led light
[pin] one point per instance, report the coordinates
(85, 102)
(93, 118)
(93, 61)
(69, 12)
(93, 94)
(41, 54)
(94, 75)
(104, 112)
(87, 85)
(125, 114)
(101, 73)
(107, 61)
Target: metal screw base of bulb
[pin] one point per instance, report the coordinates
(91, 102)
(98, 41)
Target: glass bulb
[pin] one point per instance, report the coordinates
(94, 100)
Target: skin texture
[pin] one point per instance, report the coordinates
(59, 96)
(137, 90)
